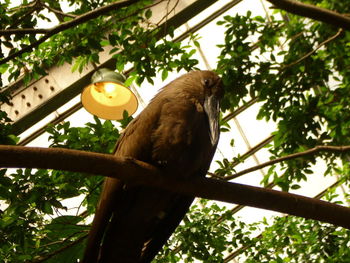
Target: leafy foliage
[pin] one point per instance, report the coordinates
(212, 234)
(128, 30)
(292, 82)
(33, 195)
(292, 239)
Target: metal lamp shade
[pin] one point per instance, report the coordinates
(107, 97)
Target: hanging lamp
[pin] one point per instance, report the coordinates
(107, 97)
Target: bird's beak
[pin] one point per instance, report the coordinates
(211, 107)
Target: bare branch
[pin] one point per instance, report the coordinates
(314, 50)
(32, 7)
(29, 5)
(137, 172)
(314, 12)
(292, 156)
(56, 252)
(57, 12)
(12, 31)
(66, 239)
(233, 114)
(165, 17)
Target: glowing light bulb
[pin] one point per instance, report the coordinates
(110, 89)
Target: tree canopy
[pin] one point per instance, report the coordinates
(294, 63)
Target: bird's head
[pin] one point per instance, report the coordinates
(201, 84)
(211, 84)
(208, 90)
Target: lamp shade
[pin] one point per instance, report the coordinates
(107, 97)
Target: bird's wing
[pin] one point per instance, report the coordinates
(165, 228)
(133, 144)
(113, 188)
(110, 192)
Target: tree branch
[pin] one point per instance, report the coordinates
(31, 4)
(291, 156)
(137, 172)
(56, 252)
(57, 12)
(66, 25)
(314, 50)
(233, 114)
(314, 12)
(11, 31)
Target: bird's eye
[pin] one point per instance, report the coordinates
(207, 82)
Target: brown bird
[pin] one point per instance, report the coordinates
(177, 132)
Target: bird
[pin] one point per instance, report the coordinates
(178, 133)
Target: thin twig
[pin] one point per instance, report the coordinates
(214, 175)
(244, 156)
(292, 38)
(12, 31)
(62, 241)
(91, 192)
(16, 8)
(314, 50)
(233, 114)
(168, 12)
(292, 156)
(56, 252)
(34, 6)
(58, 12)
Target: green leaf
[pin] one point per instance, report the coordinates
(295, 186)
(76, 64)
(47, 208)
(164, 74)
(105, 43)
(148, 13)
(4, 68)
(65, 226)
(130, 80)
